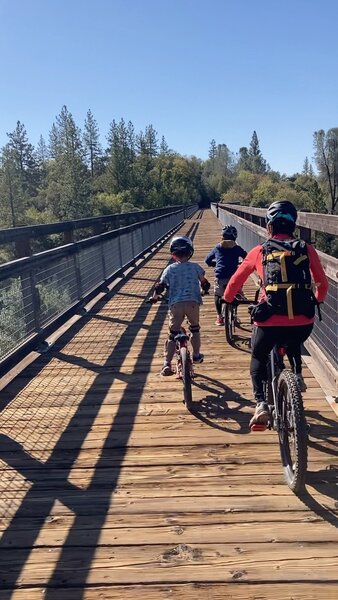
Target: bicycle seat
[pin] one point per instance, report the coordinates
(181, 337)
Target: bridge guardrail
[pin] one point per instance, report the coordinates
(38, 292)
(23, 237)
(325, 332)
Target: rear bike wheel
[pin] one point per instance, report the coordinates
(229, 322)
(292, 431)
(186, 376)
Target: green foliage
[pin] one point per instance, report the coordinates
(12, 323)
(326, 156)
(243, 188)
(13, 328)
(71, 177)
(54, 297)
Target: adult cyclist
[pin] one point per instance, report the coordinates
(285, 312)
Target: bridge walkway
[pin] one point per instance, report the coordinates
(110, 489)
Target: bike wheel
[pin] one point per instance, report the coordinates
(292, 431)
(229, 323)
(186, 377)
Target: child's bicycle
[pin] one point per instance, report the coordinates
(184, 364)
(287, 417)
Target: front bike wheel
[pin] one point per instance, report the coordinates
(229, 323)
(186, 377)
(292, 431)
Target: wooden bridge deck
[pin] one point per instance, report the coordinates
(109, 489)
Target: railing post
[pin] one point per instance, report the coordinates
(132, 243)
(23, 247)
(36, 302)
(305, 234)
(68, 236)
(77, 274)
(104, 270)
(120, 250)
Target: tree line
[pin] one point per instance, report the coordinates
(72, 176)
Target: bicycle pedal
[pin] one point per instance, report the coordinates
(258, 427)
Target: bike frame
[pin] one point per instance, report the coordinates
(182, 340)
(276, 365)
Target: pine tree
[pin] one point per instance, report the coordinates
(257, 162)
(91, 142)
(244, 163)
(42, 152)
(326, 156)
(22, 153)
(306, 166)
(121, 156)
(164, 148)
(212, 150)
(67, 192)
(12, 196)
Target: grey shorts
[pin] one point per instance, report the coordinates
(219, 287)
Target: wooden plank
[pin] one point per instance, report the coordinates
(189, 591)
(181, 563)
(240, 533)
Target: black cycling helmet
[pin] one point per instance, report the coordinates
(229, 232)
(281, 209)
(181, 245)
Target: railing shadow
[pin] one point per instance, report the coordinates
(323, 433)
(96, 500)
(325, 482)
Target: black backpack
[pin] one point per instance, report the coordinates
(286, 280)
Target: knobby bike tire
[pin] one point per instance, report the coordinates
(293, 425)
(186, 377)
(229, 323)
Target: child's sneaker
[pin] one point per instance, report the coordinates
(261, 415)
(219, 320)
(167, 370)
(198, 359)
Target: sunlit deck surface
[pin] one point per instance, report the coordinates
(110, 489)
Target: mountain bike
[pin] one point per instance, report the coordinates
(184, 363)
(287, 418)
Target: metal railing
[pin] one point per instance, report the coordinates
(24, 238)
(325, 332)
(38, 292)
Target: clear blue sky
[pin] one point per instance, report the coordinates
(195, 69)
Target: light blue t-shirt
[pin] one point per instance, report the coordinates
(183, 281)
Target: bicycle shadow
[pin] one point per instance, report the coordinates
(325, 482)
(214, 407)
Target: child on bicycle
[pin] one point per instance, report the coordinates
(286, 308)
(224, 257)
(183, 279)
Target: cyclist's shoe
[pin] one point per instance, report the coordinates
(219, 320)
(300, 382)
(198, 359)
(261, 416)
(167, 370)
